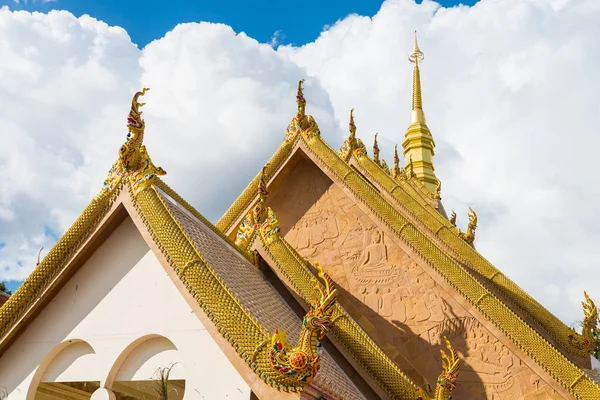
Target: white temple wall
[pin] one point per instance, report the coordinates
(120, 303)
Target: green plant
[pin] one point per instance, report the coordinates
(3, 289)
(162, 382)
(596, 352)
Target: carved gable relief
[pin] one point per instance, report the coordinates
(399, 305)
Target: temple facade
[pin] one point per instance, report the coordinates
(333, 275)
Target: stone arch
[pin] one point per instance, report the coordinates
(141, 358)
(62, 356)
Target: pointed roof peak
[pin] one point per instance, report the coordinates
(416, 56)
(300, 100)
(351, 125)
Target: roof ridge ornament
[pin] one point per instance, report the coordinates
(301, 122)
(351, 143)
(376, 151)
(397, 172)
(586, 341)
(134, 163)
(469, 235)
(303, 362)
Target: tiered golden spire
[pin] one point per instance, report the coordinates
(415, 57)
(418, 143)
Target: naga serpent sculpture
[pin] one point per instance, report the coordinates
(303, 361)
(586, 341)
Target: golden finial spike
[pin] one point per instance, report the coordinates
(37, 261)
(352, 126)
(300, 100)
(376, 150)
(417, 55)
(417, 102)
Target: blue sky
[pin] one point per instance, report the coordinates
(298, 22)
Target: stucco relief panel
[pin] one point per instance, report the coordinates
(408, 312)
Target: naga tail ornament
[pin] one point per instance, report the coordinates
(586, 342)
(303, 361)
(447, 379)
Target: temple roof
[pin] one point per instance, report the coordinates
(416, 217)
(234, 294)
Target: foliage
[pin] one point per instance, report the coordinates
(3, 289)
(162, 382)
(596, 352)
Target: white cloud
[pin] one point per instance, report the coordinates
(510, 92)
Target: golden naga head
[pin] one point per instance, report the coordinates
(351, 125)
(590, 312)
(319, 317)
(300, 100)
(472, 219)
(450, 365)
(135, 122)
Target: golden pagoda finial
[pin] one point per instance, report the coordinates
(418, 141)
(300, 100)
(376, 151)
(416, 57)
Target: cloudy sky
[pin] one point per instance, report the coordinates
(511, 91)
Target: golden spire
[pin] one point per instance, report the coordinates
(416, 57)
(376, 151)
(418, 143)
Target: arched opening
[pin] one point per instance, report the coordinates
(68, 372)
(149, 368)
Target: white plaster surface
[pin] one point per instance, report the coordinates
(122, 295)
